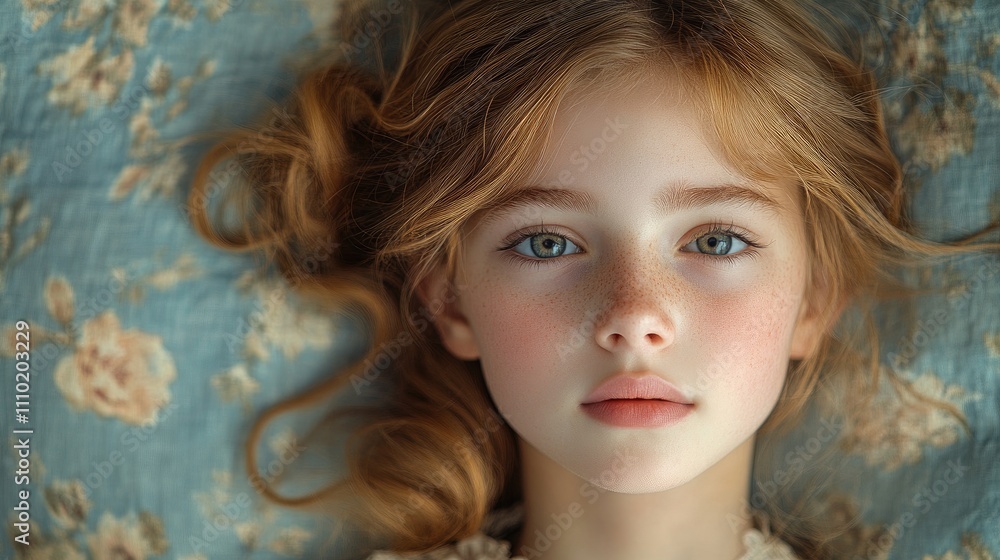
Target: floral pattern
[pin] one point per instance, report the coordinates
(16, 240)
(972, 549)
(919, 59)
(275, 322)
(84, 76)
(151, 351)
(126, 538)
(133, 536)
(67, 502)
(115, 372)
(897, 430)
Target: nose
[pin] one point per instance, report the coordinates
(637, 315)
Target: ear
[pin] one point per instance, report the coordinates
(809, 325)
(438, 295)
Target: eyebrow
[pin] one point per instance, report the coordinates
(672, 198)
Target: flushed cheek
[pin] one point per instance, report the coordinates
(745, 338)
(519, 351)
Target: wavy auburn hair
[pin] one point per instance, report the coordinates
(381, 166)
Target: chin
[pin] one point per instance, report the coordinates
(639, 482)
(627, 473)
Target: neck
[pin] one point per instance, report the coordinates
(567, 518)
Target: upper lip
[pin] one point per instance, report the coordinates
(643, 385)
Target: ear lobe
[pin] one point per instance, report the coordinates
(439, 299)
(809, 325)
(807, 333)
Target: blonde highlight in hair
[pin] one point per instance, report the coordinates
(381, 169)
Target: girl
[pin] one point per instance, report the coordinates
(607, 242)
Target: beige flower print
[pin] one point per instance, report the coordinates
(95, 73)
(130, 18)
(118, 373)
(128, 537)
(47, 547)
(160, 276)
(894, 431)
(116, 539)
(280, 320)
(929, 127)
(992, 84)
(931, 137)
(59, 299)
(13, 163)
(60, 303)
(182, 10)
(215, 9)
(86, 77)
(153, 532)
(235, 384)
(256, 526)
(218, 503)
(973, 548)
(917, 50)
(992, 342)
(290, 541)
(276, 322)
(15, 243)
(67, 502)
(39, 12)
(159, 178)
(157, 165)
(87, 13)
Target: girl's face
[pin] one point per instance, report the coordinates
(676, 266)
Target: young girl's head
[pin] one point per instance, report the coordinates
(656, 256)
(535, 196)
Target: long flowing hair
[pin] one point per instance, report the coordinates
(380, 166)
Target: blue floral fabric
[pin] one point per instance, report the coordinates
(148, 353)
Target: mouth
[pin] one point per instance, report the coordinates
(637, 413)
(644, 387)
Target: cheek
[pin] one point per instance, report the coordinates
(747, 338)
(519, 344)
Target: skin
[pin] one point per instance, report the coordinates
(633, 291)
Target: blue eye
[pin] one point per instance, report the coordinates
(717, 243)
(544, 244)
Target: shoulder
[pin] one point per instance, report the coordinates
(475, 547)
(760, 546)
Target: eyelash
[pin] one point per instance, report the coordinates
(750, 252)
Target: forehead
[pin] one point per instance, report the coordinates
(651, 131)
(655, 125)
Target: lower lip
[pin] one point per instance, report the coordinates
(637, 413)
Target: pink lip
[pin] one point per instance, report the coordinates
(641, 386)
(647, 401)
